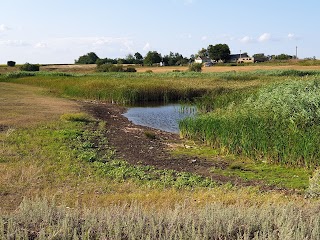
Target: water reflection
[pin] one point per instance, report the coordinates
(160, 117)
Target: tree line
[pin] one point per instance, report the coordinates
(218, 52)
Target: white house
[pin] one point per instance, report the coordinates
(203, 60)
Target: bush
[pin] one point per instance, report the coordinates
(195, 67)
(314, 185)
(109, 67)
(11, 63)
(30, 67)
(131, 69)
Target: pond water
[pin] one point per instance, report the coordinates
(165, 118)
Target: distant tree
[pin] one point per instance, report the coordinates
(89, 58)
(105, 61)
(192, 58)
(260, 57)
(152, 57)
(202, 53)
(174, 59)
(219, 52)
(138, 58)
(282, 57)
(130, 59)
(11, 63)
(30, 67)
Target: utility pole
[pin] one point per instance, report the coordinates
(296, 52)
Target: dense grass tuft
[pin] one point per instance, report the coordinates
(280, 123)
(43, 219)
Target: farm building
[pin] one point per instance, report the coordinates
(241, 58)
(203, 60)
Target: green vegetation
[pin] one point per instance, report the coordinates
(11, 63)
(268, 116)
(280, 123)
(195, 67)
(128, 88)
(109, 67)
(89, 58)
(30, 67)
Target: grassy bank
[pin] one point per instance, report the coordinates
(128, 88)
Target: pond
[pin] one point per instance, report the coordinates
(165, 117)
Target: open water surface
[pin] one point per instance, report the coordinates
(165, 117)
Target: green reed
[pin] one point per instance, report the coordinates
(128, 88)
(280, 123)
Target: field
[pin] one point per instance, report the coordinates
(72, 167)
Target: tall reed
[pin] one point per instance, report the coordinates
(281, 123)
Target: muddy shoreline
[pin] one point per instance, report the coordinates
(132, 144)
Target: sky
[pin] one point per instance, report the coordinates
(59, 31)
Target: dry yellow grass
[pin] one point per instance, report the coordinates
(22, 105)
(90, 68)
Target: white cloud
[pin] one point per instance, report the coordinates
(292, 36)
(264, 37)
(14, 43)
(4, 28)
(41, 45)
(246, 39)
(204, 38)
(146, 47)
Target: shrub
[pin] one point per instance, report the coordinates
(195, 67)
(109, 67)
(30, 67)
(314, 185)
(11, 63)
(149, 71)
(131, 69)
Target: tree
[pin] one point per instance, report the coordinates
(139, 58)
(202, 53)
(260, 57)
(11, 63)
(152, 57)
(89, 58)
(30, 67)
(130, 59)
(219, 52)
(283, 57)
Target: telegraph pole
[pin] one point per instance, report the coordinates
(296, 52)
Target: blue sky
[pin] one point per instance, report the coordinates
(59, 31)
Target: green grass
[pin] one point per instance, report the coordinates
(140, 87)
(279, 123)
(277, 175)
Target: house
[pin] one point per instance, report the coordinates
(241, 58)
(203, 60)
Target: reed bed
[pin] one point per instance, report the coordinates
(42, 219)
(131, 88)
(280, 123)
